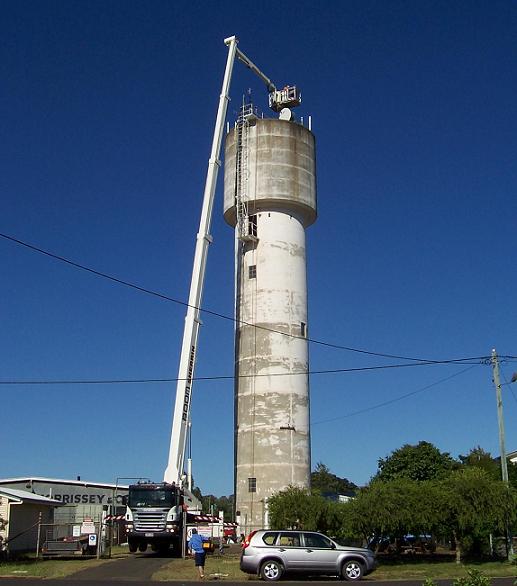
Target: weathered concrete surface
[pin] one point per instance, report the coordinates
(282, 170)
(272, 436)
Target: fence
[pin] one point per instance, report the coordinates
(71, 539)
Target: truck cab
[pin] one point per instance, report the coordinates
(154, 516)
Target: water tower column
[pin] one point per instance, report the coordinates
(270, 189)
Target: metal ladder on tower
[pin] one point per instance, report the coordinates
(246, 227)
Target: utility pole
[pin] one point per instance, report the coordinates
(502, 449)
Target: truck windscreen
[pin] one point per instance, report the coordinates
(152, 498)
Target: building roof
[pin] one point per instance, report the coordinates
(335, 496)
(28, 479)
(24, 496)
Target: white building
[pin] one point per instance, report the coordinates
(80, 499)
(21, 512)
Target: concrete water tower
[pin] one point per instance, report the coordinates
(270, 198)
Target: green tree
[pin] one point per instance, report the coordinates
(474, 505)
(479, 458)
(323, 480)
(225, 504)
(467, 504)
(211, 503)
(395, 508)
(296, 507)
(423, 461)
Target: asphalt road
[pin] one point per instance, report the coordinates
(130, 569)
(139, 582)
(138, 569)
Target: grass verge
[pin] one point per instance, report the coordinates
(228, 566)
(38, 568)
(224, 567)
(414, 570)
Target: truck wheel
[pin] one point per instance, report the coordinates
(271, 571)
(142, 546)
(352, 570)
(176, 548)
(163, 548)
(133, 546)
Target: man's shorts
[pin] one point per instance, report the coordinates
(199, 558)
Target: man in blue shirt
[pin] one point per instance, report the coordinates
(195, 546)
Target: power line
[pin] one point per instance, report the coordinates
(221, 315)
(226, 377)
(509, 385)
(395, 400)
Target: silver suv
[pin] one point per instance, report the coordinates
(271, 553)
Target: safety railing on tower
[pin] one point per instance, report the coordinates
(246, 226)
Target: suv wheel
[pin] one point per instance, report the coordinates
(352, 570)
(271, 571)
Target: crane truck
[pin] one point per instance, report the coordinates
(157, 513)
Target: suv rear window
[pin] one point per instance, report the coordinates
(290, 539)
(269, 538)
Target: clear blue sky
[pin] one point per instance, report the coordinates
(108, 111)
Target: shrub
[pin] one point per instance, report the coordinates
(474, 578)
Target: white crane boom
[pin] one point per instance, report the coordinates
(250, 65)
(174, 471)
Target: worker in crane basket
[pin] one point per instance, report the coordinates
(195, 547)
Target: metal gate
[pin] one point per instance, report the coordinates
(71, 539)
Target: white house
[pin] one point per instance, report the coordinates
(20, 510)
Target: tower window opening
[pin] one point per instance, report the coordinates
(252, 485)
(252, 271)
(303, 329)
(252, 225)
